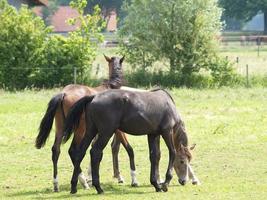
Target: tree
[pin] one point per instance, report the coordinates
(245, 10)
(181, 31)
(21, 39)
(106, 5)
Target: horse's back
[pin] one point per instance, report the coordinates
(135, 112)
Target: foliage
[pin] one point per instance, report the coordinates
(21, 38)
(245, 10)
(31, 57)
(49, 10)
(182, 32)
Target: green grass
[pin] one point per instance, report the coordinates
(229, 127)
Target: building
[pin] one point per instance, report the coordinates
(63, 13)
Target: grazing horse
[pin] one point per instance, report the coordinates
(138, 113)
(58, 108)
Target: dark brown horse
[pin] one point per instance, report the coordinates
(152, 113)
(58, 108)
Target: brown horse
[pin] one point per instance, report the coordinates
(58, 108)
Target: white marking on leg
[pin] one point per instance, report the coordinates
(120, 179)
(82, 180)
(55, 183)
(134, 179)
(195, 180)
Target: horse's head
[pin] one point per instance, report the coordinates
(115, 71)
(182, 164)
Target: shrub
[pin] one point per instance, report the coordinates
(29, 56)
(21, 38)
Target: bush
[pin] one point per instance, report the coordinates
(30, 56)
(21, 39)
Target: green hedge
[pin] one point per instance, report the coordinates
(30, 56)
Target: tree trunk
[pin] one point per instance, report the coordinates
(265, 22)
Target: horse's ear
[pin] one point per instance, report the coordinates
(108, 59)
(122, 59)
(192, 147)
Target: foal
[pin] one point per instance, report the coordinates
(152, 113)
(58, 108)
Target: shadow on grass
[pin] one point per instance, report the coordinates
(109, 190)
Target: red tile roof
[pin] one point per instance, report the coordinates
(112, 21)
(59, 19)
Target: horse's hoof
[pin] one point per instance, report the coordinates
(134, 184)
(73, 191)
(196, 183)
(100, 191)
(158, 190)
(56, 190)
(120, 181)
(164, 188)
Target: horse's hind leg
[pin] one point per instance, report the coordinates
(153, 151)
(72, 153)
(169, 142)
(55, 156)
(115, 147)
(118, 138)
(77, 154)
(96, 156)
(56, 148)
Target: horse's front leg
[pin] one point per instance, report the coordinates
(158, 155)
(153, 151)
(169, 142)
(192, 176)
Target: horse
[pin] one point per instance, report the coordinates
(152, 113)
(59, 106)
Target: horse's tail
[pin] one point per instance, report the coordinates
(74, 115)
(47, 121)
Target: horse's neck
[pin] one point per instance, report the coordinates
(180, 135)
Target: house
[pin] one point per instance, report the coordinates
(63, 13)
(17, 3)
(60, 18)
(111, 21)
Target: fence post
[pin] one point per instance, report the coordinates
(74, 75)
(247, 75)
(97, 68)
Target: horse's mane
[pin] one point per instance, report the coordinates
(158, 88)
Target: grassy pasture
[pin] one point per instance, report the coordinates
(229, 127)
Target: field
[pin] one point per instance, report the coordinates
(229, 127)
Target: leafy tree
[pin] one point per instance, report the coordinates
(106, 5)
(245, 10)
(21, 39)
(30, 56)
(180, 31)
(61, 54)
